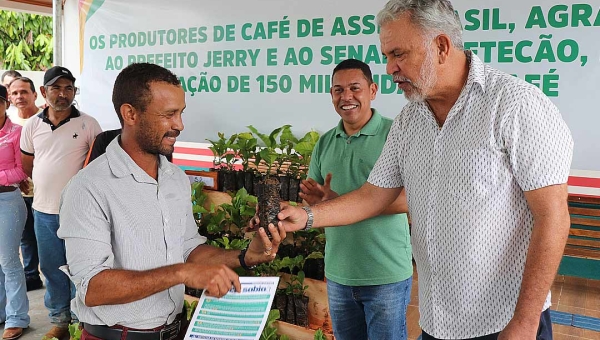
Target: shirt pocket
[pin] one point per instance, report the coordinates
(472, 173)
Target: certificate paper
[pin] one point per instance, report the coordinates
(235, 315)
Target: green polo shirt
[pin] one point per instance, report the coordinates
(375, 251)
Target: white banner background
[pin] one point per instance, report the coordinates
(575, 90)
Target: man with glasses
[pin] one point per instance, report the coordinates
(54, 144)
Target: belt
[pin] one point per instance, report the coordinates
(167, 332)
(7, 188)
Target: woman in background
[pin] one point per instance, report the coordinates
(14, 305)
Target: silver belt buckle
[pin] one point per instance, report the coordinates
(171, 331)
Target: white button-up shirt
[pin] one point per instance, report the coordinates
(465, 185)
(113, 215)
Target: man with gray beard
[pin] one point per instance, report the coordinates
(484, 158)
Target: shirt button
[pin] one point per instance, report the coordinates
(348, 141)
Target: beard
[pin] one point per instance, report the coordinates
(425, 82)
(60, 105)
(149, 142)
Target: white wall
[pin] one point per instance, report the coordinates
(37, 77)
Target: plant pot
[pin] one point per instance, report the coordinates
(318, 311)
(314, 269)
(301, 310)
(255, 184)
(268, 202)
(229, 181)
(285, 187)
(220, 179)
(280, 303)
(294, 189)
(290, 310)
(239, 180)
(249, 181)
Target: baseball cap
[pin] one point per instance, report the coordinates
(3, 93)
(52, 75)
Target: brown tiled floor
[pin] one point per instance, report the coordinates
(569, 294)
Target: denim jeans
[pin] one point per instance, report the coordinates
(14, 305)
(51, 249)
(29, 249)
(369, 312)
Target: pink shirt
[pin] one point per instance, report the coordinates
(11, 170)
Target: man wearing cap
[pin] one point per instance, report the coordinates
(54, 144)
(23, 96)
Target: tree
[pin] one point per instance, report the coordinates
(26, 41)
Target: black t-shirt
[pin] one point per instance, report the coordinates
(101, 143)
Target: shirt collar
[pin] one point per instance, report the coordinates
(370, 129)
(44, 116)
(122, 165)
(476, 70)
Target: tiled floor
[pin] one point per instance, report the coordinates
(569, 294)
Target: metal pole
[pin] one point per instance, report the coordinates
(57, 30)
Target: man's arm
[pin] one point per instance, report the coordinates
(313, 192)
(206, 267)
(116, 286)
(399, 206)
(27, 163)
(551, 223)
(365, 202)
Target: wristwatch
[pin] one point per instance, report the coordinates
(310, 219)
(242, 259)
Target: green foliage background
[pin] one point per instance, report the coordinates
(26, 41)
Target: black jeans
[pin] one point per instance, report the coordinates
(31, 261)
(544, 330)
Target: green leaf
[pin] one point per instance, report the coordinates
(264, 138)
(287, 135)
(74, 331)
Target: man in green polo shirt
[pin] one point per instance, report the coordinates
(368, 265)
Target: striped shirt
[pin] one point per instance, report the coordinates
(113, 215)
(465, 185)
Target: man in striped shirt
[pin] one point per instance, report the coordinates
(131, 238)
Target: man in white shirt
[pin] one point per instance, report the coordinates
(484, 158)
(23, 95)
(54, 144)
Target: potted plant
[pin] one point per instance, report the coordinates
(267, 188)
(291, 300)
(304, 148)
(225, 151)
(287, 141)
(247, 146)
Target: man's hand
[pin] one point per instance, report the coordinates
(261, 248)
(292, 218)
(24, 186)
(313, 192)
(518, 329)
(215, 280)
